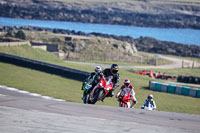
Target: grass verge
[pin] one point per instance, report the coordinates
(58, 87)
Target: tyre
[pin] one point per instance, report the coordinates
(120, 105)
(97, 95)
(124, 105)
(86, 98)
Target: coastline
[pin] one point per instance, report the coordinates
(162, 14)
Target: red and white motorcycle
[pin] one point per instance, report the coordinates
(124, 99)
(100, 91)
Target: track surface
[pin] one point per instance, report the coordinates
(24, 113)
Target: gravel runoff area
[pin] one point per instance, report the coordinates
(22, 112)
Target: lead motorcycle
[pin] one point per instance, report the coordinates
(100, 91)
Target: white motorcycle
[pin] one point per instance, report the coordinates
(149, 107)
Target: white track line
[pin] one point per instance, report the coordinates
(2, 95)
(28, 93)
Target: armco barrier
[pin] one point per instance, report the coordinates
(174, 89)
(44, 67)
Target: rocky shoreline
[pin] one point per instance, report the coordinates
(165, 14)
(144, 44)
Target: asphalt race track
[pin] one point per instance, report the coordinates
(23, 113)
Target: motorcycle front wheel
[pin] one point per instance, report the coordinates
(97, 95)
(123, 105)
(86, 98)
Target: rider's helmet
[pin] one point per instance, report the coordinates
(126, 82)
(98, 69)
(150, 96)
(114, 68)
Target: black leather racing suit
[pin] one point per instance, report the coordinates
(96, 77)
(115, 78)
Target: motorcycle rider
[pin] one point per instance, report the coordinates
(95, 76)
(114, 75)
(149, 102)
(127, 88)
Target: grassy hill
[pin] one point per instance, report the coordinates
(55, 86)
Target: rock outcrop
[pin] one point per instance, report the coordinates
(138, 13)
(152, 45)
(74, 46)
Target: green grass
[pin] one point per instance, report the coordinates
(178, 71)
(159, 61)
(39, 82)
(58, 87)
(38, 54)
(182, 71)
(186, 58)
(28, 52)
(111, 62)
(164, 101)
